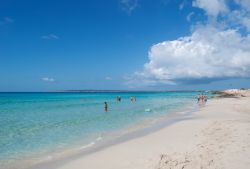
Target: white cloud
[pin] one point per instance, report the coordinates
(212, 51)
(207, 53)
(240, 19)
(129, 5)
(183, 4)
(50, 36)
(189, 16)
(246, 23)
(48, 79)
(108, 78)
(212, 7)
(142, 79)
(244, 4)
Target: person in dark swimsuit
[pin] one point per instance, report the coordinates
(105, 106)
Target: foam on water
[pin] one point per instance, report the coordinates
(88, 145)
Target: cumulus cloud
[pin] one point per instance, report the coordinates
(48, 79)
(212, 7)
(239, 18)
(129, 5)
(244, 3)
(50, 36)
(209, 53)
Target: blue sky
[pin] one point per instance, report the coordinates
(118, 44)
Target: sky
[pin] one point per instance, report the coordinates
(48, 45)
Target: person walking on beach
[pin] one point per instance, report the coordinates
(105, 106)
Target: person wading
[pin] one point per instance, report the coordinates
(105, 106)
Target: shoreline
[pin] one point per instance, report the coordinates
(146, 127)
(210, 139)
(139, 129)
(31, 158)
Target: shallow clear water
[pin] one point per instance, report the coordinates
(33, 123)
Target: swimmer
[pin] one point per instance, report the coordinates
(105, 106)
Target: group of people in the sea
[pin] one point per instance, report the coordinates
(118, 99)
(201, 98)
(133, 99)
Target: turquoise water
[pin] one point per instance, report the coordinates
(36, 123)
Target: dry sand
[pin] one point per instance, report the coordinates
(217, 137)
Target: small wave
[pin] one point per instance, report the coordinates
(99, 138)
(88, 145)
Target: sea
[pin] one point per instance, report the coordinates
(38, 125)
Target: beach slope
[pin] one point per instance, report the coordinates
(217, 136)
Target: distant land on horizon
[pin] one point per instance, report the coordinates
(114, 91)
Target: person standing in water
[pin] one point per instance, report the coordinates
(198, 98)
(118, 98)
(134, 98)
(105, 106)
(131, 98)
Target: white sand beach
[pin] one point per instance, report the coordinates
(217, 136)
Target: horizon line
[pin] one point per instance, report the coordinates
(107, 91)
